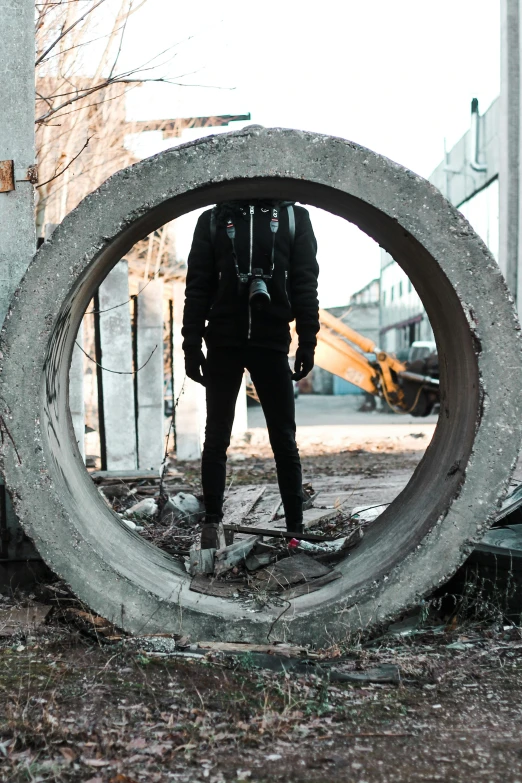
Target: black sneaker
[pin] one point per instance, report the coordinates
(210, 535)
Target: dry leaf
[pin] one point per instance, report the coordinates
(137, 744)
(68, 753)
(96, 762)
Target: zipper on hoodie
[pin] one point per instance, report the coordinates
(250, 267)
(286, 288)
(251, 237)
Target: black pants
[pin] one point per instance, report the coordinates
(271, 376)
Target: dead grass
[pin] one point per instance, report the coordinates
(75, 708)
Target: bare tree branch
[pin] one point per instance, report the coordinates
(68, 30)
(59, 173)
(76, 46)
(115, 63)
(123, 80)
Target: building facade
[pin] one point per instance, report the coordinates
(470, 177)
(403, 319)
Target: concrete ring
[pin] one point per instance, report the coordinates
(449, 502)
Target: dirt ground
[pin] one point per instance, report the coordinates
(77, 708)
(77, 704)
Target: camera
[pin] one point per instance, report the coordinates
(258, 295)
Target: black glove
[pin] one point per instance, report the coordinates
(195, 363)
(304, 361)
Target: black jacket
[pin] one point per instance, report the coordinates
(212, 283)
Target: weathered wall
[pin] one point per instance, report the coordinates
(17, 230)
(17, 235)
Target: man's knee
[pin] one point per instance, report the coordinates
(284, 446)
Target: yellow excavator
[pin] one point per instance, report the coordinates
(406, 387)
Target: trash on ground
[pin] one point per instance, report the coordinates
(512, 505)
(260, 559)
(509, 537)
(201, 561)
(337, 545)
(236, 553)
(183, 506)
(131, 525)
(168, 514)
(366, 514)
(93, 624)
(145, 509)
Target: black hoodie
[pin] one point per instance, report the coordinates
(212, 292)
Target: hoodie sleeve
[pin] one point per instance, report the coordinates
(200, 284)
(303, 276)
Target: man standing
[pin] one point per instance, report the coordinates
(252, 269)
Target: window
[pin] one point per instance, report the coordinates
(392, 293)
(383, 298)
(400, 289)
(410, 287)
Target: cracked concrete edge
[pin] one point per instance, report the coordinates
(37, 485)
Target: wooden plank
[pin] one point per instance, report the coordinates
(125, 475)
(275, 533)
(311, 517)
(291, 570)
(286, 650)
(209, 586)
(310, 587)
(240, 503)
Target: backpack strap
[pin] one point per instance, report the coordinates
(291, 223)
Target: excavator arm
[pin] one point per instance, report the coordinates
(386, 377)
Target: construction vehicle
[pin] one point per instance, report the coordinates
(411, 387)
(407, 387)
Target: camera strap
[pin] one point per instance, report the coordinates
(274, 227)
(231, 233)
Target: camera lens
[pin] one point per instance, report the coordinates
(258, 294)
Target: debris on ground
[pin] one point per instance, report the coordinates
(440, 701)
(146, 509)
(182, 506)
(511, 507)
(24, 619)
(168, 512)
(290, 571)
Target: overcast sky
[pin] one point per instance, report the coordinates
(395, 76)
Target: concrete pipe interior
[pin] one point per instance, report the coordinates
(427, 530)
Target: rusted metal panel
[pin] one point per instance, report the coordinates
(7, 181)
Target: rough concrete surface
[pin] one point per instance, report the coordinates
(422, 537)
